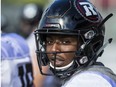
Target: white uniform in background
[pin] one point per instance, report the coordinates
(16, 67)
(31, 43)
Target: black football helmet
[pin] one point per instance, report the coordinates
(30, 16)
(71, 17)
(31, 13)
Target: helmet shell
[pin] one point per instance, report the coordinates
(77, 14)
(31, 13)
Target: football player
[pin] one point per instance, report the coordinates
(71, 34)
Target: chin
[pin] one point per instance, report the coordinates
(58, 65)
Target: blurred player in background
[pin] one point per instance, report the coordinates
(16, 66)
(29, 18)
(9, 70)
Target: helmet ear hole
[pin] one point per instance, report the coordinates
(93, 46)
(97, 44)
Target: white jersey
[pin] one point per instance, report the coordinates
(31, 43)
(16, 67)
(90, 79)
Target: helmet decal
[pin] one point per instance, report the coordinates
(87, 10)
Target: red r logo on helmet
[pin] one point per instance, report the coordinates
(87, 10)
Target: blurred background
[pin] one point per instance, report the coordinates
(12, 9)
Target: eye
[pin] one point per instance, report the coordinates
(66, 42)
(49, 42)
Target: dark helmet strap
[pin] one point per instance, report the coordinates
(109, 16)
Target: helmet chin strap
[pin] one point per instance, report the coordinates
(61, 68)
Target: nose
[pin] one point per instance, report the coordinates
(55, 47)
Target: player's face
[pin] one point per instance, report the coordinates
(26, 28)
(60, 43)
